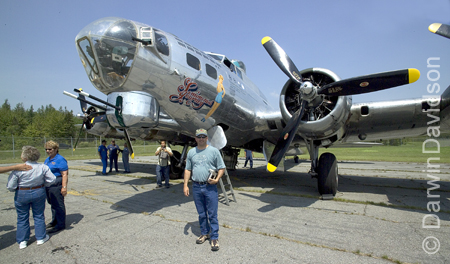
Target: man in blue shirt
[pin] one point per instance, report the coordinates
(103, 154)
(113, 155)
(199, 161)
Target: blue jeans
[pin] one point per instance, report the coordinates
(162, 171)
(23, 200)
(206, 201)
(248, 159)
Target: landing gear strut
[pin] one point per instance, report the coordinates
(178, 162)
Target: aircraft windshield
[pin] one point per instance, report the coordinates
(217, 57)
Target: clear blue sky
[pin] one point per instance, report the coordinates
(39, 60)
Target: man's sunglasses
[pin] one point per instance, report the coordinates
(201, 136)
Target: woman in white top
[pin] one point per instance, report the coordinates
(30, 193)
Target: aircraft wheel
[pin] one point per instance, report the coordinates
(328, 174)
(176, 172)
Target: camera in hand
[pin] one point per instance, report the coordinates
(212, 174)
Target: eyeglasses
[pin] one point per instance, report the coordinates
(48, 149)
(201, 136)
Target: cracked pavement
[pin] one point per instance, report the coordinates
(376, 218)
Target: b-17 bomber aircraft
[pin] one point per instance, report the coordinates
(158, 86)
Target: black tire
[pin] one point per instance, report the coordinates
(176, 173)
(327, 180)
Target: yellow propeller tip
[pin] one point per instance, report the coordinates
(73, 149)
(271, 168)
(265, 39)
(434, 27)
(132, 155)
(413, 75)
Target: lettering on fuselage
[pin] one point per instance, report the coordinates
(188, 92)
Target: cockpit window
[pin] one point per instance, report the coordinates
(86, 48)
(238, 72)
(217, 57)
(161, 43)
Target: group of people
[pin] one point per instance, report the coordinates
(112, 151)
(33, 184)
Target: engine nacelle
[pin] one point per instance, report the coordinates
(139, 109)
(325, 116)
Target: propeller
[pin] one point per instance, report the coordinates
(89, 116)
(101, 116)
(440, 29)
(309, 92)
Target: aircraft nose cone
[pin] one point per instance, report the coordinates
(107, 50)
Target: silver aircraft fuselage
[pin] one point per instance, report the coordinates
(165, 85)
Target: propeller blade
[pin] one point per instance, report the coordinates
(440, 29)
(98, 118)
(370, 83)
(281, 59)
(78, 138)
(83, 103)
(287, 135)
(127, 137)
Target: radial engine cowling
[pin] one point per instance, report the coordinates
(138, 109)
(325, 116)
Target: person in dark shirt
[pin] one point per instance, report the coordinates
(113, 155)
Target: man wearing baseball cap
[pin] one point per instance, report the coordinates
(200, 160)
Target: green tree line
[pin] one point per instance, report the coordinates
(44, 122)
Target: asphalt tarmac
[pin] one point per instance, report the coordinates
(376, 217)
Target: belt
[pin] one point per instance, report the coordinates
(201, 183)
(31, 188)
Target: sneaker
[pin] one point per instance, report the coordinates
(23, 244)
(42, 241)
(201, 239)
(215, 245)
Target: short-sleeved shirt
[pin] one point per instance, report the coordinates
(201, 161)
(38, 175)
(113, 150)
(103, 151)
(57, 164)
(125, 153)
(164, 162)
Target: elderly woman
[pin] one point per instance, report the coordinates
(30, 192)
(56, 192)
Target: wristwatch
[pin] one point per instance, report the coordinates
(64, 187)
